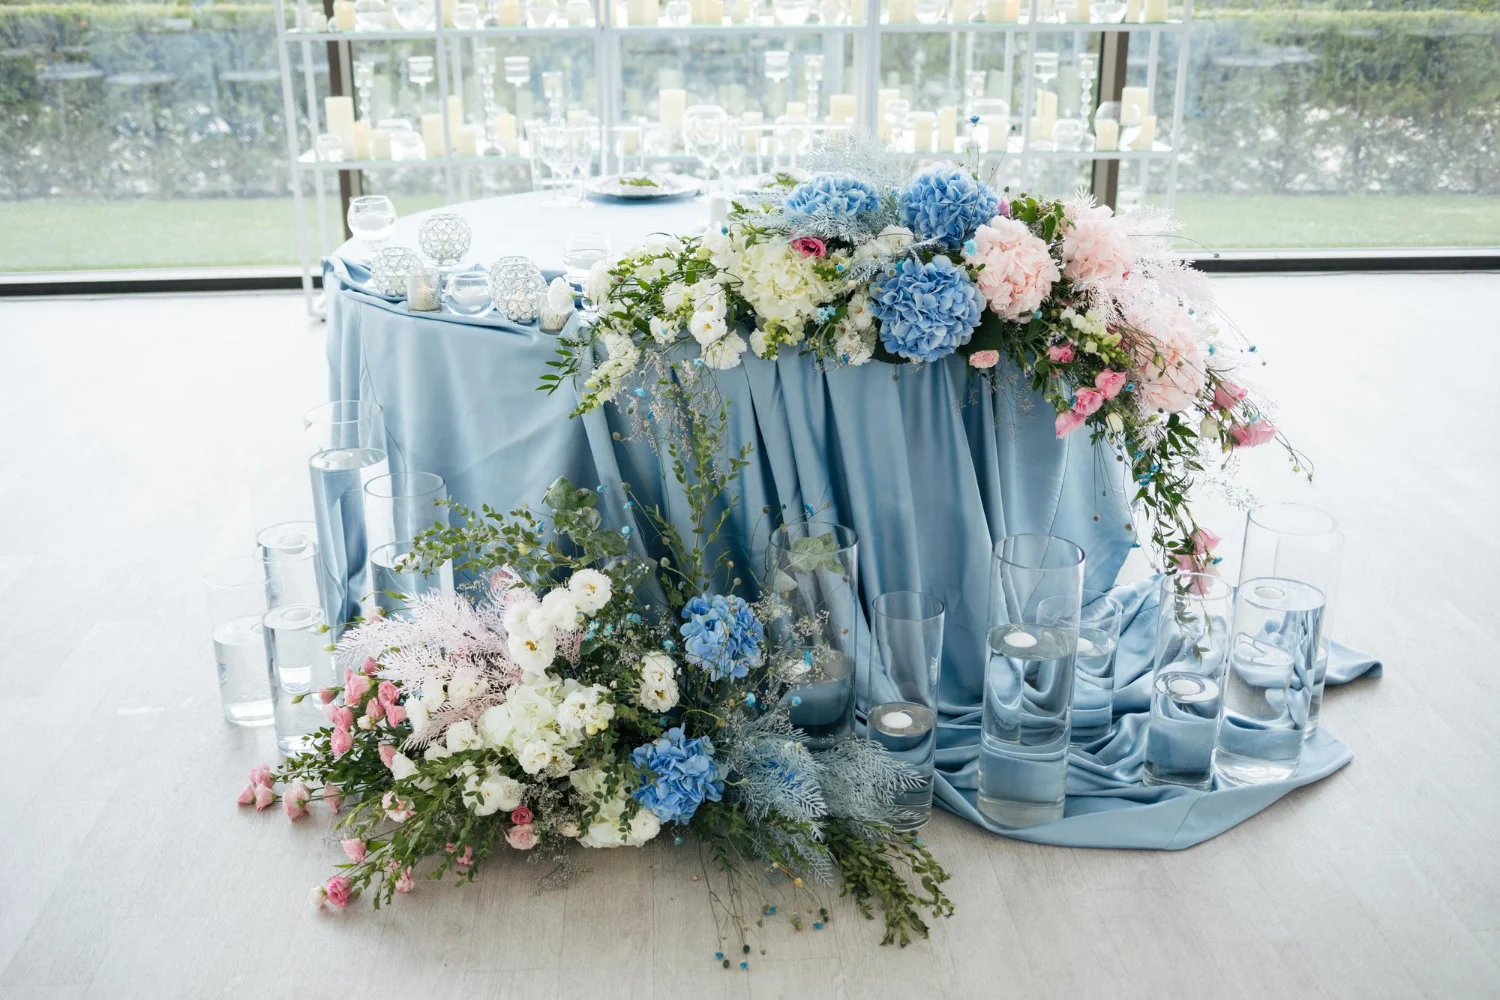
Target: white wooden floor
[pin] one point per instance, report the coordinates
(132, 425)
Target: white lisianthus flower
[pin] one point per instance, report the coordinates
(706, 329)
(532, 652)
(402, 766)
(591, 590)
(710, 300)
(1208, 430)
(661, 331)
(560, 609)
(437, 752)
(493, 792)
(674, 297)
(597, 287)
(725, 352)
(463, 736)
(520, 605)
(658, 695)
(854, 347)
(467, 683)
(570, 714)
(535, 756)
(495, 726)
(894, 239)
(416, 714)
(859, 314)
(597, 715)
(659, 243)
(657, 667)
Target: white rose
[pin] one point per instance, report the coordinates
(597, 715)
(643, 826)
(416, 714)
(657, 667)
(535, 756)
(562, 763)
(495, 726)
(854, 347)
(402, 766)
(494, 793)
(532, 653)
(462, 736)
(560, 609)
(591, 590)
(661, 331)
(571, 714)
(894, 239)
(725, 352)
(467, 683)
(566, 828)
(658, 696)
(437, 752)
(520, 606)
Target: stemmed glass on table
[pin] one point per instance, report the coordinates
(705, 131)
(581, 252)
(372, 219)
(420, 70)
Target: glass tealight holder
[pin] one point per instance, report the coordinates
(392, 265)
(300, 664)
(371, 15)
(1068, 134)
(467, 293)
(1036, 591)
(329, 148)
(679, 13)
(791, 12)
(514, 284)
(812, 569)
(408, 145)
(289, 552)
(422, 285)
(1193, 618)
(235, 592)
(444, 238)
(465, 16)
(906, 648)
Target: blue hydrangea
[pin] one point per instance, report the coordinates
(926, 311)
(722, 635)
(946, 204)
(836, 195)
(682, 774)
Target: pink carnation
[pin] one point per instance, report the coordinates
(1110, 382)
(1086, 402)
(810, 246)
(1068, 421)
(1096, 248)
(1249, 435)
(1227, 395)
(395, 715)
(295, 801)
(340, 742)
(341, 716)
(375, 710)
(1017, 271)
(387, 693)
(522, 838)
(1060, 354)
(984, 359)
(356, 689)
(354, 848)
(337, 892)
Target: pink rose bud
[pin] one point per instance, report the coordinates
(325, 695)
(354, 848)
(260, 774)
(387, 753)
(984, 359)
(1060, 353)
(355, 692)
(348, 675)
(520, 816)
(1257, 432)
(1227, 395)
(1110, 383)
(522, 838)
(387, 693)
(403, 884)
(371, 666)
(263, 797)
(334, 796)
(395, 715)
(295, 801)
(338, 892)
(1068, 421)
(1086, 402)
(340, 742)
(247, 796)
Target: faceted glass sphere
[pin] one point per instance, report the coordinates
(444, 238)
(514, 284)
(392, 265)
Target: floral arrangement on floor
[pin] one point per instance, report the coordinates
(582, 695)
(1092, 310)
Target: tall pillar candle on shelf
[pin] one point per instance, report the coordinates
(923, 125)
(1155, 10)
(672, 102)
(503, 129)
(507, 13)
(752, 135)
(339, 112)
(738, 11)
(1144, 139)
(1106, 135)
(448, 13)
(1046, 109)
(1132, 11)
(1135, 103)
(882, 98)
(361, 140)
(343, 15)
(380, 144)
(947, 129)
(466, 140)
(841, 109)
(901, 12)
(644, 13)
(432, 133)
(1081, 12)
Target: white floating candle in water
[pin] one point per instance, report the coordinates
(896, 720)
(1086, 648)
(1021, 640)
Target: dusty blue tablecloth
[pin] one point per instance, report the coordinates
(928, 468)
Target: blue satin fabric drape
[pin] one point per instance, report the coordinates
(928, 467)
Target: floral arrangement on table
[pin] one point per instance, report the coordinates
(582, 695)
(1093, 310)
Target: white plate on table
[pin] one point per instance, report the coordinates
(643, 186)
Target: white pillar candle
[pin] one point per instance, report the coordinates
(796, 109)
(947, 129)
(1132, 11)
(1046, 109)
(380, 144)
(1081, 12)
(1135, 102)
(1156, 10)
(1146, 136)
(466, 140)
(343, 15)
(672, 102)
(630, 139)
(362, 140)
(455, 109)
(901, 11)
(503, 124)
(508, 13)
(1036, 131)
(994, 11)
(448, 13)
(922, 129)
(339, 111)
(961, 11)
(738, 11)
(644, 13)
(1106, 135)
(752, 135)
(841, 109)
(578, 116)
(432, 133)
(882, 98)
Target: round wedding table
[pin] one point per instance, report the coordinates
(923, 462)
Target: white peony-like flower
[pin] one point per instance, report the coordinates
(658, 695)
(597, 287)
(533, 653)
(706, 329)
(535, 756)
(674, 297)
(859, 314)
(462, 735)
(436, 751)
(662, 331)
(492, 792)
(604, 830)
(657, 667)
(467, 682)
(559, 609)
(591, 590)
(708, 298)
(853, 346)
(725, 352)
(402, 766)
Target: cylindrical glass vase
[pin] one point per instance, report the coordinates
(906, 645)
(289, 552)
(812, 569)
(235, 591)
(1187, 679)
(346, 448)
(399, 506)
(1036, 591)
(1293, 541)
(299, 664)
(1099, 620)
(397, 580)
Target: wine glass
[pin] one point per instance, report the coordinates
(419, 70)
(413, 15)
(583, 145)
(1045, 67)
(778, 65)
(551, 140)
(705, 128)
(372, 219)
(554, 91)
(580, 253)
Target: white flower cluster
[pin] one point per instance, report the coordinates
(604, 828)
(658, 691)
(543, 719)
(1092, 329)
(855, 343)
(532, 624)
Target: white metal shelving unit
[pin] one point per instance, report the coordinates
(866, 38)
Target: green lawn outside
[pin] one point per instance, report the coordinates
(69, 235)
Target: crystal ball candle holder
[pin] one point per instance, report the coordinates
(392, 265)
(444, 238)
(514, 284)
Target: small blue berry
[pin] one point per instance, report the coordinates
(676, 841)
(668, 645)
(1129, 386)
(839, 268)
(698, 362)
(750, 698)
(744, 965)
(796, 700)
(973, 119)
(807, 509)
(817, 925)
(772, 910)
(1252, 348)
(718, 954)
(641, 392)
(626, 530)
(599, 488)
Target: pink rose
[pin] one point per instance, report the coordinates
(1086, 402)
(340, 742)
(371, 666)
(247, 796)
(1060, 354)
(1016, 272)
(1068, 421)
(354, 848)
(1227, 395)
(984, 359)
(395, 714)
(520, 816)
(810, 246)
(1110, 382)
(387, 693)
(260, 774)
(342, 716)
(1204, 541)
(334, 796)
(387, 753)
(522, 838)
(338, 892)
(356, 689)
(1097, 250)
(295, 801)
(397, 809)
(325, 695)
(263, 797)
(403, 884)
(1257, 432)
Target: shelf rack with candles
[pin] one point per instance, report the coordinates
(844, 50)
